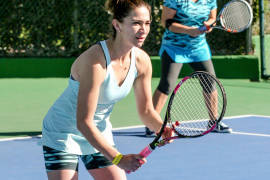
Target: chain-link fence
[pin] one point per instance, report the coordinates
(50, 28)
(68, 27)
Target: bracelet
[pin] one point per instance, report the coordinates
(117, 159)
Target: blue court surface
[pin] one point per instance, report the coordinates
(241, 155)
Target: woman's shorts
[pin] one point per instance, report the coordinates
(59, 160)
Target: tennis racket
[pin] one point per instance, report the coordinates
(234, 17)
(196, 105)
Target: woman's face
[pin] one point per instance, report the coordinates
(135, 27)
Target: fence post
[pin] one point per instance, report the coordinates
(76, 25)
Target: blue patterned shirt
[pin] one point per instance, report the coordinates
(188, 13)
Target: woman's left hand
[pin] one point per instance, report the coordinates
(168, 133)
(208, 25)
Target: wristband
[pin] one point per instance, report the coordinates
(117, 159)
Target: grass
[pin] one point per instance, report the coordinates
(24, 103)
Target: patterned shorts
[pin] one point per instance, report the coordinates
(59, 160)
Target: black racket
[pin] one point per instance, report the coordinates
(235, 16)
(196, 105)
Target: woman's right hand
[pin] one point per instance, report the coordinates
(131, 162)
(194, 32)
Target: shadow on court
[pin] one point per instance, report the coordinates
(129, 133)
(23, 133)
(242, 155)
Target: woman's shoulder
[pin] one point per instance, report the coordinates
(143, 61)
(94, 52)
(140, 54)
(93, 55)
(92, 58)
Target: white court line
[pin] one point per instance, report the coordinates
(129, 127)
(18, 138)
(245, 133)
(243, 116)
(250, 134)
(262, 116)
(140, 126)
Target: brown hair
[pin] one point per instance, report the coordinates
(119, 9)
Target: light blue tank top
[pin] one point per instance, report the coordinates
(59, 125)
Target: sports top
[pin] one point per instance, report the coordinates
(181, 47)
(59, 125)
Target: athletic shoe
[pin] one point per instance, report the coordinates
(222, 128)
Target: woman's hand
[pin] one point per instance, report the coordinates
(207, 24)
(131, 162)
(194, 32)
(167, 134)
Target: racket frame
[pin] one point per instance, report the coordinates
(148, 149)
(223, 110)
(220, 19)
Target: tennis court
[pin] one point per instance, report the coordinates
(240, 155)
(39, 41)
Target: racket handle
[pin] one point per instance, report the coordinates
(145, 152)
(204, 28)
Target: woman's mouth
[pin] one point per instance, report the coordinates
(140, 38)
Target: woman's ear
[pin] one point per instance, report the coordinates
(116, 25)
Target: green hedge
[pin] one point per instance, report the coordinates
(35, 67)
(233, 67)
(239, 67)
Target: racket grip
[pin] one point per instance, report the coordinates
(146, 151)
(204, 28)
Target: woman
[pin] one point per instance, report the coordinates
(183, 42)
(78, 125)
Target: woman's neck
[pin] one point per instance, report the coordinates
(117, 49)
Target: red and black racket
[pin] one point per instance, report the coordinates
(196, 105)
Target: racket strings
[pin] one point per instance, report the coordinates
(210, 98)
(189, 127)
(191, 123)
(236, 16)
(195, 106)
(211, 91)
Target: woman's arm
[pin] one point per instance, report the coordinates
(143, 93)
(91, 74)
(168, 13)
(212, 18)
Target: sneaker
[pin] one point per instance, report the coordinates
(148, 132)
(222, 128)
